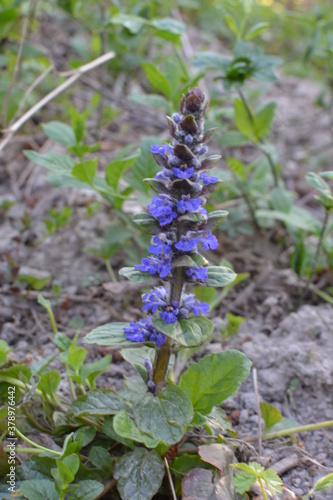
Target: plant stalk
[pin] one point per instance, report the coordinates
(164, 353)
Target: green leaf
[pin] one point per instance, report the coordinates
(49, 382)
(243, 121)
(188, 332)
(86, 490)
(59, 132)
(214, 379)
(101, 459)
(211, 60)
(273, 481)
(85, 171)
(216, 218)
(232, 326)
(67, 468)
(270, 414)
(115, 170)
(133, 274)
(164, 417)
(153, 100)
(297, 217)
(145, 166)
(318, 183)
(96, 402)
(157, 79)
(233, 139)
(263, 120)
(39, 489)
(81, 150)
(231, 23)
(56, 162)
(281, 199)
(90, 371)
(130, 22)
(243, 481)
(219, 276)
(183, 464)
(111, 334)
(168, 28)
(147, 223)
(323, 483)
(255, 30)
(140, 474)
(127, 428)
(137, 358)
(78, 123)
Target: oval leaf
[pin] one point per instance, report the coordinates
(164, 417)
(219, 276)
(127, 428)
(140, 474)
(97, 403)
(214, 379)
(188, 332)
(133, 274)
(111, 334)
(147, 223)
(216, 218)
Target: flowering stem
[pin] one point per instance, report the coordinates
(163, 354)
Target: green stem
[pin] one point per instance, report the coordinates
(163, 354)
(314, 263)
(35, 445)
(301, 428)
(110, 271)
(262, 488)
(52, 320)
(268, 156)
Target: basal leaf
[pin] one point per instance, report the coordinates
(127, 428)
(49, 382)
(39, 489)
(86, 490)
(164, 417)
(137, 358)
(96, 402)
(140, 474)
(214, 379)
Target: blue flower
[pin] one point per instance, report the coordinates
(197, 273)
(183, 173)
(188, 204)
(186, 244)
(208, 240)
(190, 303)
(154, 299)
(176, 117)
(162, 208)
(164, 175)
(208, 179)
(160, 245)
(155, 265)
(169, 315)
(144, 331)
(157, 149)
(188, 140)
(202, 151)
